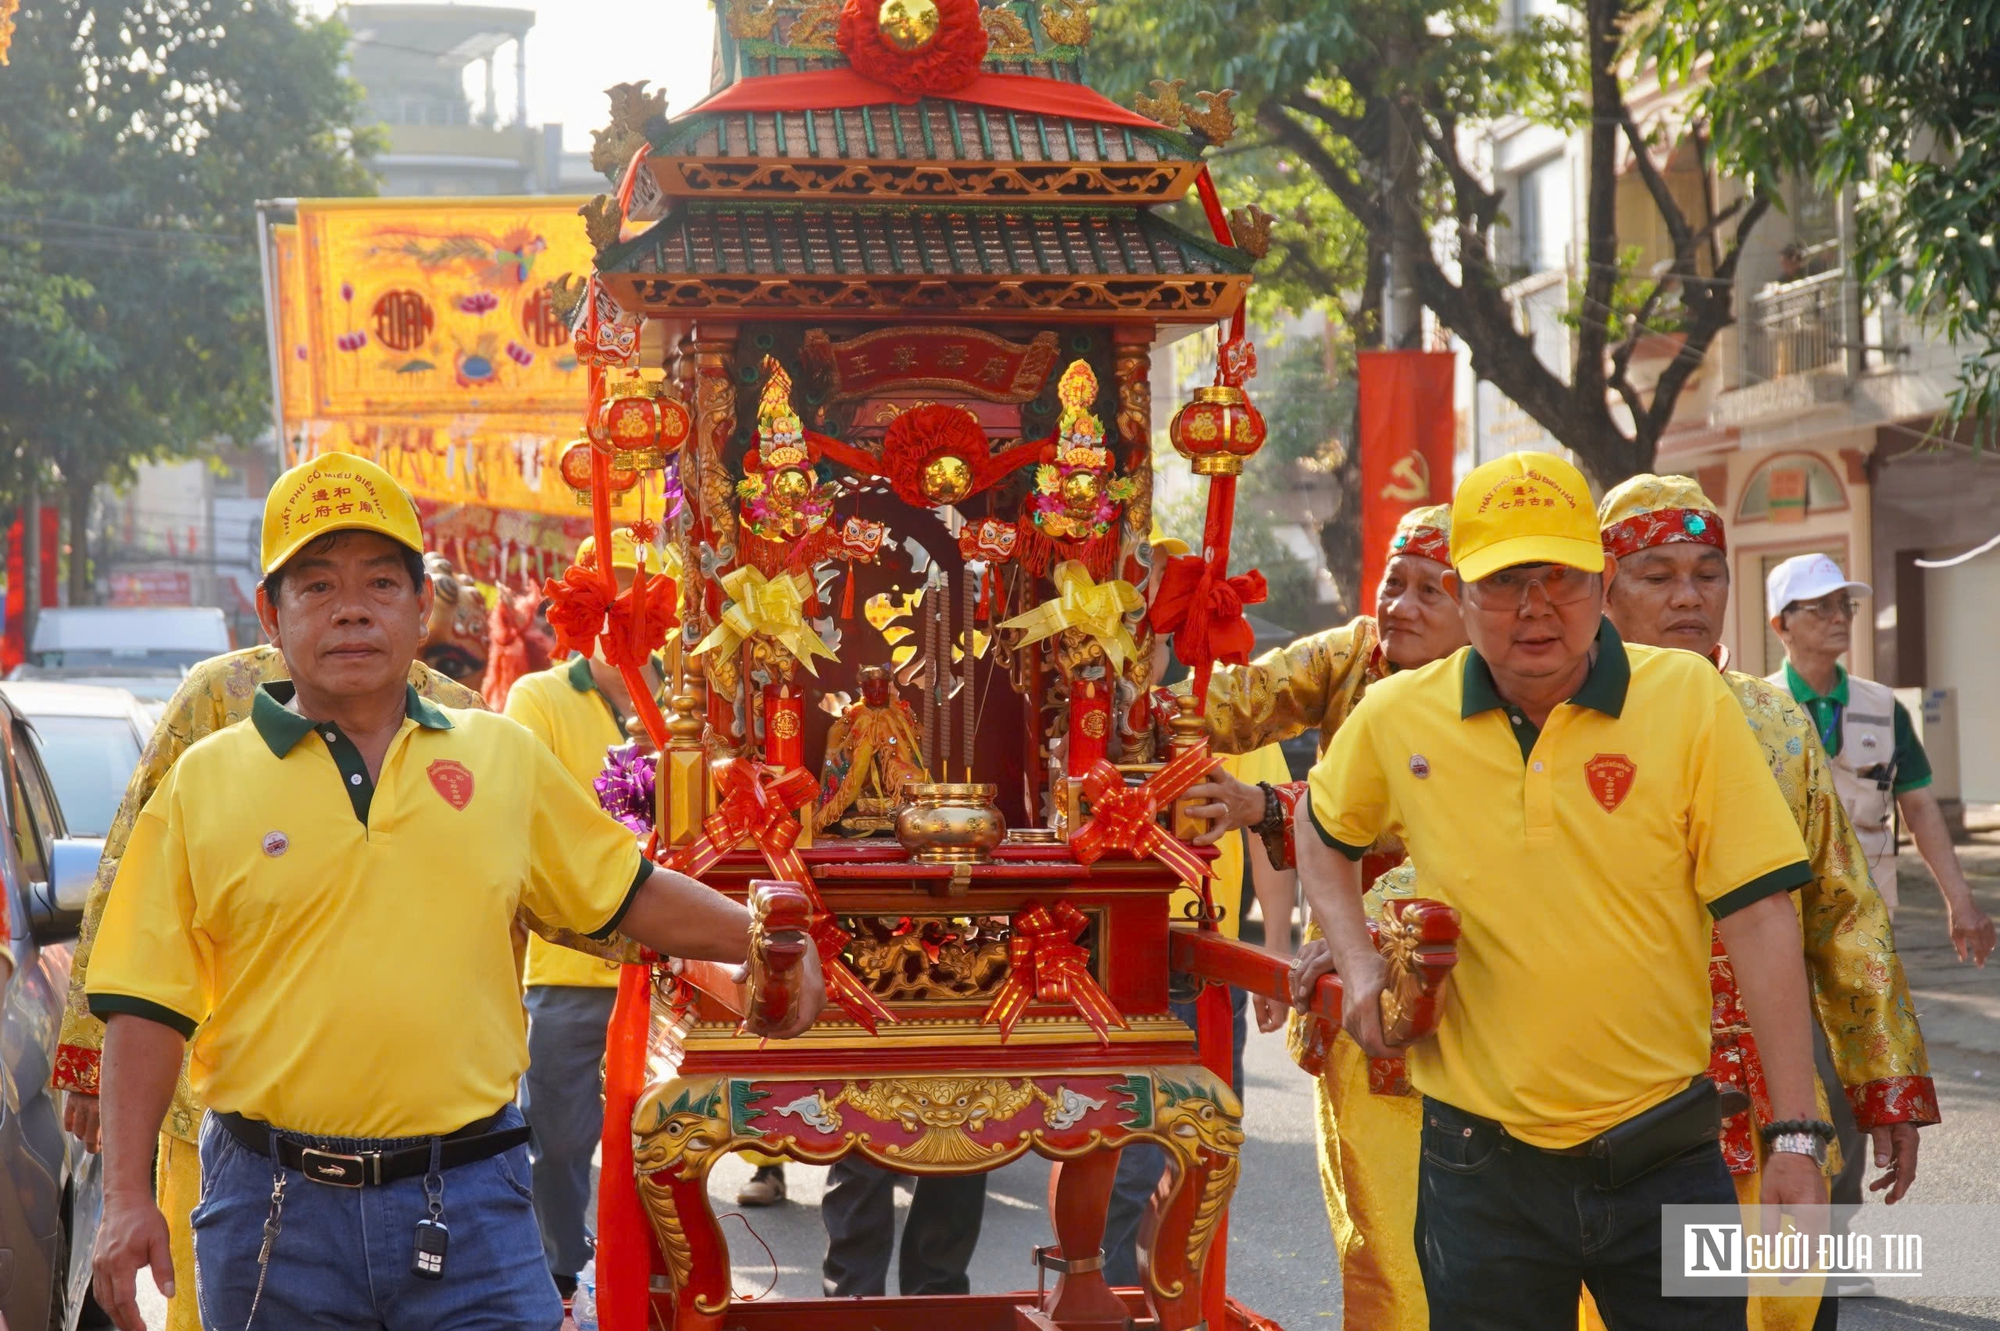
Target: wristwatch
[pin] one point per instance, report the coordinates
(1799, 1136)
(1799, 1143)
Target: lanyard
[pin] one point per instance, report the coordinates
(1831, 726)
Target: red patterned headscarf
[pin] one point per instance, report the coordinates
(1648, 510)
(1425, 533)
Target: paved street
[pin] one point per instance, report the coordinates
(1281, 1259)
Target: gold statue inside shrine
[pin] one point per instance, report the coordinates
(872, 754)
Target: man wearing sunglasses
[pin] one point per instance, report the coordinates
(1621, 806)
(1879, 765)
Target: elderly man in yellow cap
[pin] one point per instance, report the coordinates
(1624, 806)
(322, 896)
(1370, 1187)
(1672, 590)
(216, 693)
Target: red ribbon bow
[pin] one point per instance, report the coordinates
(762, 803)
(631, 627)
(1126, 818)
(1205, 614)
(1045, 962)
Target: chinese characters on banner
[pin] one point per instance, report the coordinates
(1407, 423)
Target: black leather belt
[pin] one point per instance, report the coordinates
(356, 1169)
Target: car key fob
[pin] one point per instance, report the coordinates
(432, 1238)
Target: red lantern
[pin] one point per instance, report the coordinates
(574, 464)
(1217, 431)
(640, 422)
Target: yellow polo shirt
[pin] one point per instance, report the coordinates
(562, 707)
(1586, 862)
(344, 946)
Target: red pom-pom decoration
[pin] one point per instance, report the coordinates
(943, 67)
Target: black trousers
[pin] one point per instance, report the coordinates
(938, 1238)
(1508, 1234)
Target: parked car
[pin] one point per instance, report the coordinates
(145, 649)
(89, 738)
(52, 1194)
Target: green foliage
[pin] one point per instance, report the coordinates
(1304, 407)
(1900, 98)
(135, 140)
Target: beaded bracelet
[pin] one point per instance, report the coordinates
(1817, 1127)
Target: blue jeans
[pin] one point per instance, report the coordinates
(1508, 1234)
(562, 1095)
(1141, 1164)
(341, 1261)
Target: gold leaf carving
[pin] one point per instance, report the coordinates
(601, 222)
(1251, 228)
(631, 107)
(1006, 34)
(1215, 121)
(815, 28)
(747, 20)
(1068, 21)
(1165, 104)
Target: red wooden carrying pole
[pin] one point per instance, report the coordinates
(624, 1258)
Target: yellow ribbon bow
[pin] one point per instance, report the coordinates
(1097, 608)
(773, 607)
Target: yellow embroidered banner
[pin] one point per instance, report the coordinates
(294, 344)
(441, 306)
(501, 461)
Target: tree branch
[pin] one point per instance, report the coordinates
(1714, 310)
(1678, 230)
(1346, 126)
(1304, 144)
(1600, 267)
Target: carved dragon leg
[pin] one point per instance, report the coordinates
(1199, 1122)
(680, 1129)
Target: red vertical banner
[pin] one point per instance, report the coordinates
(1407, 423)
(14, 644)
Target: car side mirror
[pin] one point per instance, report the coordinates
(55, 908)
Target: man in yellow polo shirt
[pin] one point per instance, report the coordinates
(1623, 804)
(577, 709)
(325, 893)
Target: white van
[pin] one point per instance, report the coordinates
(147, 649)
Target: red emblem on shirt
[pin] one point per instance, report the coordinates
(1610, 777)
(453, 780)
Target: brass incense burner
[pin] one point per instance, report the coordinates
(950, 822)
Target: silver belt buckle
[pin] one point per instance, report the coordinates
(333, 1168)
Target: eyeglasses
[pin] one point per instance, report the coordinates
(1508, 589)
(1823, 610)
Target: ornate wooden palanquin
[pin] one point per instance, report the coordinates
(873, 256)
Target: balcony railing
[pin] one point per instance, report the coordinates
(1794, 327)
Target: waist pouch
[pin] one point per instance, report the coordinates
(1644, 1142)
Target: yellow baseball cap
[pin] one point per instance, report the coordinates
(1165, 545)
(1524, 508)
(335, 492)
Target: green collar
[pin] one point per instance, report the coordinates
(1603, 688)
(1805, 693)
(580, 677)
(282, 729)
